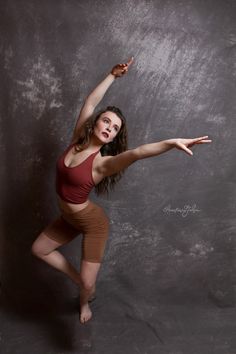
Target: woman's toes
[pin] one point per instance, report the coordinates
(85, 314)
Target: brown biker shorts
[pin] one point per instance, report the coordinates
(91, 221)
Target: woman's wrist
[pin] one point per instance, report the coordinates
(113, 75)
(170, 142)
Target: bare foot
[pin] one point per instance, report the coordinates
(85, 313)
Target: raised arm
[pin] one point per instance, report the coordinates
(98, 93)
(95, 97)
(113, 164)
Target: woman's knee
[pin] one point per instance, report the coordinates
(43, 245)
(87, 284)
(36, 249)
(88, 274)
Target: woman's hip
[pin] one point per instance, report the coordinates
(92, 217)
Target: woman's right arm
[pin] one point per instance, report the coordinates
(90, 103)
(98, 93)
(95, 97)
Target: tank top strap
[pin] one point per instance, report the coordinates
(69, 147)
(91, 157)
(96, 152)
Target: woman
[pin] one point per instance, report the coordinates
(96, 157)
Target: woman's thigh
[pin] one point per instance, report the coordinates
(94, 225)
(95, 233)
(44, 245)
(56, 234)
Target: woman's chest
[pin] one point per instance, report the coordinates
(79, 170)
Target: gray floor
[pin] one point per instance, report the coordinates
(40, 315)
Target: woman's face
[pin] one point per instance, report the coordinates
(107, 127)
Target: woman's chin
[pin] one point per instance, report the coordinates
(101, 140)
(104, 140)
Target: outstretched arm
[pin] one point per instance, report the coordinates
(95, 97)
(114, 164)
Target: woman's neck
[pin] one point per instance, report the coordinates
(94, 144)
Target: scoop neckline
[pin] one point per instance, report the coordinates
(72, 145)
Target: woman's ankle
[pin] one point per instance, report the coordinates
(85, 295)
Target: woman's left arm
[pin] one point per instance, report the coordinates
(113, 164)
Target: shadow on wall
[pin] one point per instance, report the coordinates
(31, 289)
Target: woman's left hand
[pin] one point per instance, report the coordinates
(183, 144)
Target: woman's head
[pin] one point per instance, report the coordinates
(106, 127)
(110, 121)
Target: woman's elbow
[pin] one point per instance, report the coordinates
(136, 154)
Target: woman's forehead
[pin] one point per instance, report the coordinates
(113, 117)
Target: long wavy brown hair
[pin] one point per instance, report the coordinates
(115, 147)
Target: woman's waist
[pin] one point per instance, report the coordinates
(71, 207)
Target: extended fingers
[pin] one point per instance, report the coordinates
(183, 147)
(203, 141)
(200, 138)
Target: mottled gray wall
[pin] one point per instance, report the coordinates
(181, 84)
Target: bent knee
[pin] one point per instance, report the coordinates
(35, 250)
(42, 246)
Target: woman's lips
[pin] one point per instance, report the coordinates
(105, 134)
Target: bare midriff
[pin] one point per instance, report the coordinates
(71, 207)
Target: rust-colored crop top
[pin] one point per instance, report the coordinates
(73, 184)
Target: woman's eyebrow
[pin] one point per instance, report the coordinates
(110, 120)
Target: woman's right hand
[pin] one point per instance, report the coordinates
(121, 69)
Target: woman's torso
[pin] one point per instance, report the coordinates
(71, 160)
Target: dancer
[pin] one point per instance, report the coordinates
(96, 158)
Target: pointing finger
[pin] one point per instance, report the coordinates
(130, 61)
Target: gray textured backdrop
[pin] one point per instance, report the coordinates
(181, 84)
